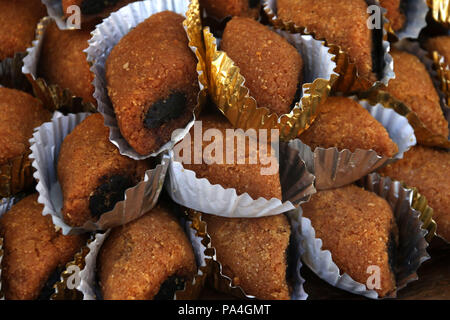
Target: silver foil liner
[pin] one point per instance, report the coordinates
(105, 36)
(224, 283)
(297, 186)
(335, 168)
(45, 147)
(412, 244)
(87, 275)
(415, 12)
(270, 7)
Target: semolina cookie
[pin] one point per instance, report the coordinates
(230, 8)
(345, 124)
(271, 66)
(63, 62)
(161, 91)
(149, 258)
(343, 23)
(441, 44)
(413, 86)
(428, 170)
(33, 251)
(92, 173)
(245, 177)
(359, 229)
(395, 13)
(20, 113)
(18, 21)
(253, 253)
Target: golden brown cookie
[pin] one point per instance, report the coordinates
(20, 113)
(440, 44)
(18, 20)
(92, 173)
(394, 14)
(271, 66)
(63, 62)
(159, 70)
(343, 23)
(413, 86)
(359, 229)
(148, 258)
(428, 170)
(244, 177)
(230, 8)
(253, 253)
(345, 124)
(33, 250)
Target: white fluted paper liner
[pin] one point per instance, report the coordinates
(270, 7)
(412, 244)
(297, 186)
(88, 279)
(105, 36)
(45, 147)
(30, 62)
(296, 251)
(55, 10)
(416, 13)
(335, 168)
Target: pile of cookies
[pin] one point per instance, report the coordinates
(120, 171)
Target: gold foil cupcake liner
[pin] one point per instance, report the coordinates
(107, 34)
(415, 12)
(349, 78)
(335, 168)
(45, 147)
(440, 10)
(78, 281)
(413, 228)
(16, 175)
(53, 96)
(442, 68)
(227, 90)
(223, 283)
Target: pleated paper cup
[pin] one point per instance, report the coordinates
(54, 97)
(335, 168)
(415, 12)
(350, 79)
(227, 89)
(79, 280)
(411, 249)
(108, 34)
(11, 75)
(297, 186)
(45, 147)
(223, 283)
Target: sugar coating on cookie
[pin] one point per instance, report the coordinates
(343, 23)
(230, 8)
(359, 229)
(394, 14)
(345, 124)
(136, 259)
(18, 21)
(253, 253)
(243, 176)
(63, 62)
(271, 66)
(33, 250)
(428, 170)
(92, 172)
(413, 86)
(159, 70)
(20, 113)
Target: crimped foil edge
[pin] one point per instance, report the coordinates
(440, 10)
